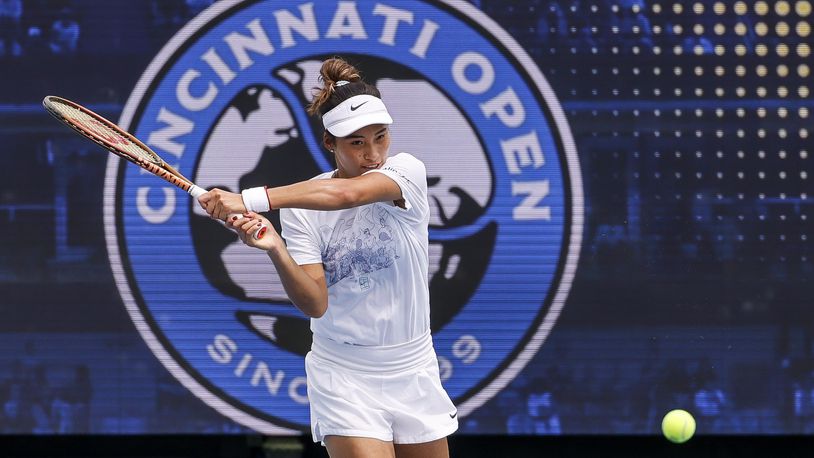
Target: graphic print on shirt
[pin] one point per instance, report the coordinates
(358, 246)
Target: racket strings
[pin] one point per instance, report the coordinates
(103, 132)
(114, 139)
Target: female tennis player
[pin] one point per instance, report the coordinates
(355, 260)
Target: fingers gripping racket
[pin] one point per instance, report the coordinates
(114, 139)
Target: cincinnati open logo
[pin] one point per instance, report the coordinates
(223, 102)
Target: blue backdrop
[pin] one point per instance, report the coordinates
(691, 287)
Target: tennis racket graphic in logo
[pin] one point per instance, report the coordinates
(225, 99)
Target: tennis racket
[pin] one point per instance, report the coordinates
(114, 139)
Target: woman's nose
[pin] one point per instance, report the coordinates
(370, 152)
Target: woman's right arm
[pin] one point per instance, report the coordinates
(305, 284)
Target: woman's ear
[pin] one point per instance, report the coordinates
(328, 141)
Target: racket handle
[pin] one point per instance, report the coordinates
(196, 192)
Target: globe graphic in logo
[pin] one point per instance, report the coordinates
(224, 102)
(274, 153)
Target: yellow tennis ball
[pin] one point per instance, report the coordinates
(678, 426)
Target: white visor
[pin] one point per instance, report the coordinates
(354, 113)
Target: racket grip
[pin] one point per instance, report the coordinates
(196, 192)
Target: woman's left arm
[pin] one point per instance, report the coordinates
(327, 194)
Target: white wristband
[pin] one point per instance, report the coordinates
(256, 200)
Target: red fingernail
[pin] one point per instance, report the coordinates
(234, 218)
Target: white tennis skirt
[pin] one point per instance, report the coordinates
(391, 393)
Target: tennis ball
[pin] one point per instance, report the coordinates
(678, 426)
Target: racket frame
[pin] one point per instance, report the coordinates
(157, 166)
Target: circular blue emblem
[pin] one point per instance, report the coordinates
(224, 103)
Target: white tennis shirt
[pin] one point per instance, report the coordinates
(375, 260)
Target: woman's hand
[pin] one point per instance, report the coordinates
(252, 222)
(219, 204)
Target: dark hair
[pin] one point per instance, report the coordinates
(330, 95)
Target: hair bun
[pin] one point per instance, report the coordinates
(336, 76)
